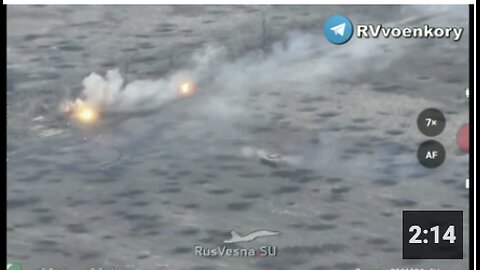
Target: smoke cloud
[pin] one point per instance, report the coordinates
(231, 81)
(112, 94)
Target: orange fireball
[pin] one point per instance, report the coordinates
(186, 89)
(84, 112)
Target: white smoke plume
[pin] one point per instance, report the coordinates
(111, 93)
(288, 60)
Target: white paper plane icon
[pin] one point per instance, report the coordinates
(237, 238)
(339, 29)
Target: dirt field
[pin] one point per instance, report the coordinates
(144, 187)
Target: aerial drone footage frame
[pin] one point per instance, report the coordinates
(239, 137)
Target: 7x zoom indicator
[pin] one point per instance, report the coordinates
(431, 122)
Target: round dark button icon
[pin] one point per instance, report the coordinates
(431, 122)
(431, 154)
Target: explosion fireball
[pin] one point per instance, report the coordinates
(186, 89)
(81, 111)
(98, 96)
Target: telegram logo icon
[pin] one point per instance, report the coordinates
(338, 29)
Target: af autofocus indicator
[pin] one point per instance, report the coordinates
(431, 154)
